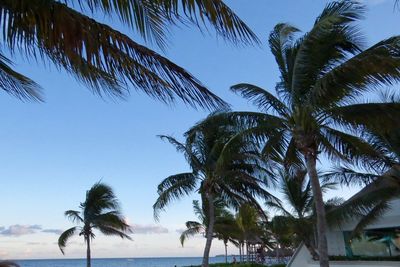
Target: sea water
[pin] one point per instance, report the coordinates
(125, 262)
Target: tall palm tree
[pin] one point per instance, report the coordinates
(314, 110)
(225, 224)
(66, 34)
(222, 168)
(100, 211)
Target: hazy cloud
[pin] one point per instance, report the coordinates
(53, 231)
(148, 229)
(18, 230)
(180, 230)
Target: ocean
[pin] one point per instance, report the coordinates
(125, 262)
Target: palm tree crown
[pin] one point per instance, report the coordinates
(314, 110)
(65, 33)
(100, 211)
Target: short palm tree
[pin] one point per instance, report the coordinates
(100, 211)
(314, 110)
(297, 210)
(225, 224)
(65, 33)
(222, 168)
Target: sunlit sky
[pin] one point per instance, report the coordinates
(52, 152)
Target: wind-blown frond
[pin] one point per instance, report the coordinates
(17, 84)
(74, 216)
(64, 237)
(172, 188)
(99, 56)
(193, 228)
(260, 97)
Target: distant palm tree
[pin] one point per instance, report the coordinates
(225, 224)
(65, 33)
(314, 110)
(101, 212)
(222, 168)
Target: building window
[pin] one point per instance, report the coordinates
(383, 242)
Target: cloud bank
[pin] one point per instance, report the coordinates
(148, 229)
(19, 230)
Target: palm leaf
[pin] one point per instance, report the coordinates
(64, 237)
(17, 84)
(99, 56)
(172, 188)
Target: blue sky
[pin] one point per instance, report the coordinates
(52, 152)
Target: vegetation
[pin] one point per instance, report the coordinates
(315, 111)
(66, 34)
(222, 168)
(100, 211)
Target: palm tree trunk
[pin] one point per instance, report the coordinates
(88, 259)
(210, 229)
(319, 208)
(240, 252)
(226, 252)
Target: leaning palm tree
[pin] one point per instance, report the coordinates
(222, 168)
(101, 212)
(65, 33)
(314, 110)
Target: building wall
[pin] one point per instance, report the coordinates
(336, 244)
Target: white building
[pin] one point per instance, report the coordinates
(387, 233)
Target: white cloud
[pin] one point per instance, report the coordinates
(148, 229)
(53, 231)
(18, 230)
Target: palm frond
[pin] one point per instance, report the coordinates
(172, 188)
(111, 231)
(377, 66)
(97, 55)
(64, 237)
(261, 98)
(380, 115)
(16, 84)
(74, 216)
(193, 228)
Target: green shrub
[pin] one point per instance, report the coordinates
(363, 258)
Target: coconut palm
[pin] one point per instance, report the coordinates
(314, 111)
(297, 210)
(230, 172)
(100, 211)
(225, 224)
(381, 184)
(65, 33)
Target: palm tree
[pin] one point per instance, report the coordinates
(381, 184)
(297, 211)
(222, 168)
(225, 224)
(65, 33)
(101, 212)
(314, 111)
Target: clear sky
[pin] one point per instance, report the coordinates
(51, 153)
